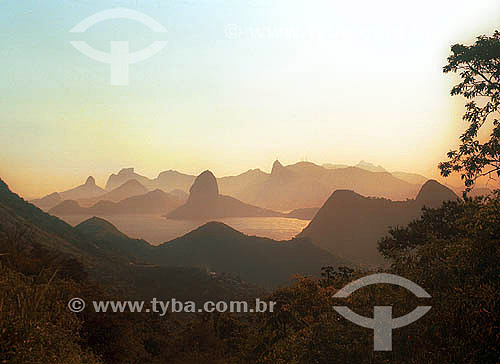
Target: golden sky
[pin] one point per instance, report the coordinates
(326, 81)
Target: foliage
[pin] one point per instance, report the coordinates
(478, 66)
(454, 252)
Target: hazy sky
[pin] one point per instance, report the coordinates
(239, 84)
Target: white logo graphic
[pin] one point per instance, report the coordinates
(119, 57)
(382, 322)
(76, 305)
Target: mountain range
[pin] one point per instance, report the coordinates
(300, 185)
(130, 188)
(176, 267)
(153, 202)
(305, 184)
(286, 188)
(167, 180)
(296, 186)
(349, 224)
(87, 190)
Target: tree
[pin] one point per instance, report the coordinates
(478, 66)
(453, 251)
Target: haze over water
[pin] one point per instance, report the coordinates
(157, 229)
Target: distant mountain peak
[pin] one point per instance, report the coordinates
(90, 181)
(279, 171)
(277, 168)
(204, 188)
(370, 166)
(126, 171)
(205, 202)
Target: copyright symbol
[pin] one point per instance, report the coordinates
(76, 305)
(233, 31)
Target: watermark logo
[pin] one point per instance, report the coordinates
(76, 305)
(232, 31)
(119, 57)
(382, 322)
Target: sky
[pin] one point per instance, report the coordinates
(239, 84)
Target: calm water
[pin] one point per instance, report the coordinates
(157, 229)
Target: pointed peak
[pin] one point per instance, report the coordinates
(277, 164)
(90, 181)
(277, 167)
(280, 172)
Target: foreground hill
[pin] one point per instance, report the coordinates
(114, 258)
(216, 247)
(205, 202)
(103, 251)
(154, 202)
(349, 224)
(265, 262)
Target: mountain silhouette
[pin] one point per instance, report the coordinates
(307, 185)
(205, 202)
(128, 189)
(266, 262)
(167, 180)
(68, 207)
(349, 225)
(171, 180)
(107, 237)
(432, 194)
(280, 173)
(300, 185)
(109, 256)
(124, 175)
(48, 202)
(154, 202)
(413, 178)
(370, 167)
(232, 185)
(88, 190)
